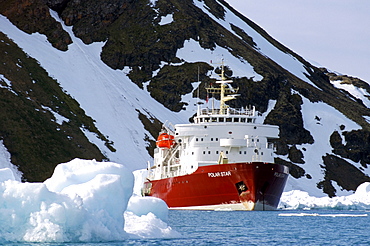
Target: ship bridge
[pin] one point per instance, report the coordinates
(243, 115)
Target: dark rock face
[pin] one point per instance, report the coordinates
(295, 155)
(287, 115)
(28, 128)
(346, 175)
(357, 147)
(33, 16)
(172, 82)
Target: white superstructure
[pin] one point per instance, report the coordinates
(217, 136)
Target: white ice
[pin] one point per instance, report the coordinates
(297, 199)
(90, 201)
(84, 201)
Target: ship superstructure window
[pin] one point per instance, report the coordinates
(249, 120)
(211, 139)
(216, 152)
(242, 120)
(221, 120)
(236, 119)
(196, 139)
(228, 119)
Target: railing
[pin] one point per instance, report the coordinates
(229, 111)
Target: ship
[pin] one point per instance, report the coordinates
(224, 159)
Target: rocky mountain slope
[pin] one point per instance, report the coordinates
(152, 50)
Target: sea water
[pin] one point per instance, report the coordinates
(293, 227)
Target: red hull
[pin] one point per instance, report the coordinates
(247, 183)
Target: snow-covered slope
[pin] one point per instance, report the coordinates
(112, 100)
(105, 94)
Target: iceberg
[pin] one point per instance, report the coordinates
(297, 199)
(83, 201)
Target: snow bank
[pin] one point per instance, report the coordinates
(6, 163)
(301, 200)
(84, 201)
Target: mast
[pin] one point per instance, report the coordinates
(222, 90)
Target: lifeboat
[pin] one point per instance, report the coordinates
(165, 140)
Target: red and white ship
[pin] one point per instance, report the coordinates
(224, 160)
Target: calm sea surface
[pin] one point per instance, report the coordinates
(315, 227)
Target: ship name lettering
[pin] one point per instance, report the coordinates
(279, 175)
(219, 174)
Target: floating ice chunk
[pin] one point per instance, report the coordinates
(321, 215)
(147, 226)
(302, 200)
(84, 201)
(145, 205)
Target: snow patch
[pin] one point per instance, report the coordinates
(193, 52)
(166, 19)
(358, 93)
